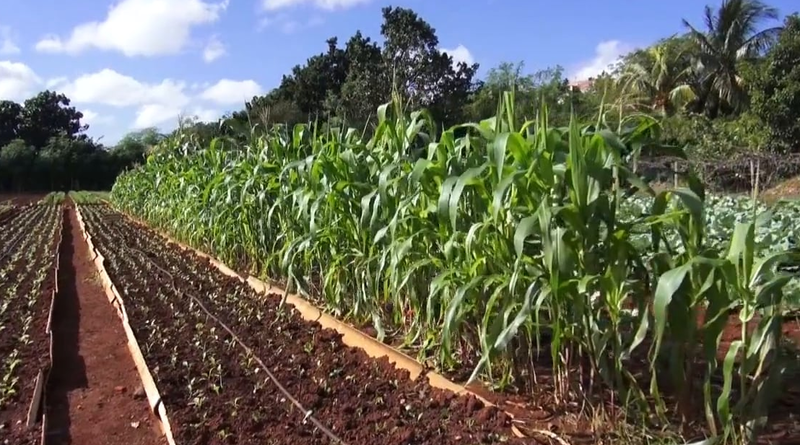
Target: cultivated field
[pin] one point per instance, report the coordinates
(214, 346)
(529, 260)
(29, 238)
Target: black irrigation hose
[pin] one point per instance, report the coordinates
(308, 413)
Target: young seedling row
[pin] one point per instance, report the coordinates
(28, 251)
(215, 391)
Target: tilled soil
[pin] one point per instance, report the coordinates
(28, 288)
(92, 394)
(214, 391)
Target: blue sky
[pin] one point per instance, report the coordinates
(129, 64)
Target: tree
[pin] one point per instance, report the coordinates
(16, 164)
(131, 149)
(775, 87)
(10, 121)
(424, 76)
(546, 87)
(47, 115)
(731, 36)
(364, 88)
(659, 76)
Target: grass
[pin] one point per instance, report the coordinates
(492, 244)
(89, 197)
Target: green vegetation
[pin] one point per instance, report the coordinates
(87, 197)
(53, 198)
(489, 245)
(372, 182)
(43, 148)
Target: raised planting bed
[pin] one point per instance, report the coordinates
(192, 322)
(28, 267)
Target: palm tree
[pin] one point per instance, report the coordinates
(661, 79)
(731, 36)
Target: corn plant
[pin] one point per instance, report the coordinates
(488, 245)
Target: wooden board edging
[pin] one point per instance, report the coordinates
(151, 390)
(43, 379)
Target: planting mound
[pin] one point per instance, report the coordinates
(216, 393)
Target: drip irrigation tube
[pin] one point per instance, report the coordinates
(308, 414)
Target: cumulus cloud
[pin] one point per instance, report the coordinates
(329, 5)
(214, 50)
(460, 54)
(231, 92)
(17, 81)
(139, 28)
(7, 45)
(156, 104)
(109, 87)
(606, 54)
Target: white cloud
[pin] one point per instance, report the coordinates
(230, 92)
(606, 53)
(7, 45)
(56, 83)
(89, 115)
(92, 117)
(139, 28)
(214, 50)
(17, 81)
(329, 5)
(460, 54)
(156, 102)
(206, 114)
(152, 115)
(109, 87)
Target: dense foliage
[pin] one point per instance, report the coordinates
(43, 147)
(726, 86)
(480, 247)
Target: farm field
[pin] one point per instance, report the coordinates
(28, 255)
(215, 391)
(529, 263)
(64, 365)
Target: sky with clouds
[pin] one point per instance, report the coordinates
(130, 64)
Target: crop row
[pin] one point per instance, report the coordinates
(215, 392)
(496, 249)
(28, 246)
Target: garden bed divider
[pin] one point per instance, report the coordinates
(150, 388)
(351, 336)
(39, 401)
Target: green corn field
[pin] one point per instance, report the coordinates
(494, 248)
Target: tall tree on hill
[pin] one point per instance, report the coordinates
(731, 36)
(422, 74)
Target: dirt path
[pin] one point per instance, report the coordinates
(92, 398)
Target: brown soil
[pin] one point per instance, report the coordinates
(21, 198)
(91, 394)
(786, 189)
(36, 257)
(215, 394)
